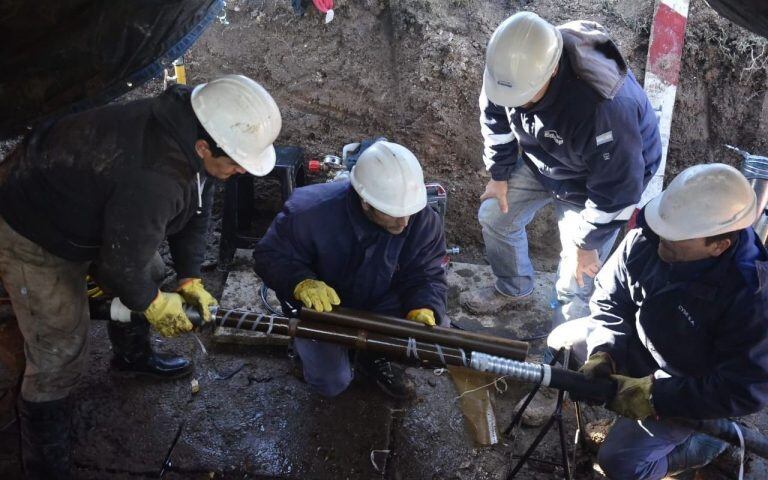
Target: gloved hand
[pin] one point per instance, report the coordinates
(195, 294)
(166, 314)
(633, 397)
(316, 294)
(422, 315)
(92, 289)
(598, 365)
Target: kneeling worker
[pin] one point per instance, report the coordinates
(100, 190)
(370, 243)
(680, 321)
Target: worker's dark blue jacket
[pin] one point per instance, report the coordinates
(703, 322)
(592, 140)
(322, 233)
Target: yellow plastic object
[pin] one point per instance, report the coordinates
(422, 315)
(475, 402)
(180, 72)
(195, 294)
(166, 314)
(316, 294)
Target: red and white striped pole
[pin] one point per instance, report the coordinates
(662, 73)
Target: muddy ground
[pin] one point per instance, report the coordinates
(254, 417)
(409, 70)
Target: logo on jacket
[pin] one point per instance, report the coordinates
(606, 137)
(686, 315)
(554, 136)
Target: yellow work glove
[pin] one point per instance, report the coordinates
(195, 294)
(93, 290)
(633, 397)
(422, 315)
(316, 294)
(599, 365)
(166, 314)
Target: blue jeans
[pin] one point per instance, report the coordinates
(637, 450)
(326, 366)
(327, 369)
(506, 244)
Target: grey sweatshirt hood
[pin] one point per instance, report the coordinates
(594, 57)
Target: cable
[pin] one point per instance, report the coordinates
(263, 291)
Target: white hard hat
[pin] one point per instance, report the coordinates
(702, 201)
(243, 119)
(521, 57)
(389, 178)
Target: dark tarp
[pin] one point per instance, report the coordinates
(67, 55)
(750, 14)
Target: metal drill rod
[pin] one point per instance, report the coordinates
(399, 327)
(408, 349)
(412, 350)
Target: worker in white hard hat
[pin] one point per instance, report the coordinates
(99, 191)
(679, 320)
(370, 243)
(564, 122)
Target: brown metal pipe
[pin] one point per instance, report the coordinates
(409, 350)
(398, 327)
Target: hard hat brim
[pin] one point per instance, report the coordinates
(261, 164)
(507, 96)
(657, 224)
(392, 211)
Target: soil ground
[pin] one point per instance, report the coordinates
(409, 70)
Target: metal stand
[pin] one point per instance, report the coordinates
(555, 418)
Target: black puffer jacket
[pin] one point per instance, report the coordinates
(108, 185)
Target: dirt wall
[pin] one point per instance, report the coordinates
(411, 70)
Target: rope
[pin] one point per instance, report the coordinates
(412, 348)
(742, 449)
(256, 322)
(496, 382)
(242, 318)
(440, 353)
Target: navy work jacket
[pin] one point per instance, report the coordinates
(322, 233)
(592, 142)
(700, 327)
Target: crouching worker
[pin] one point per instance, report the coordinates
(369, 243)
(99, 191)
(680, 321)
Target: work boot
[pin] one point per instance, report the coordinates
(488, 300)
(46, 445)
(389, 378)
(133, 354)
(697, 451)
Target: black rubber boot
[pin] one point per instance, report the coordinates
(133, 353)
(46, 445)
(389, 378)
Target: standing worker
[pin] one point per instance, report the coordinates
(370, 243)
(99, 191)
(564, 121)
(680, 322)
